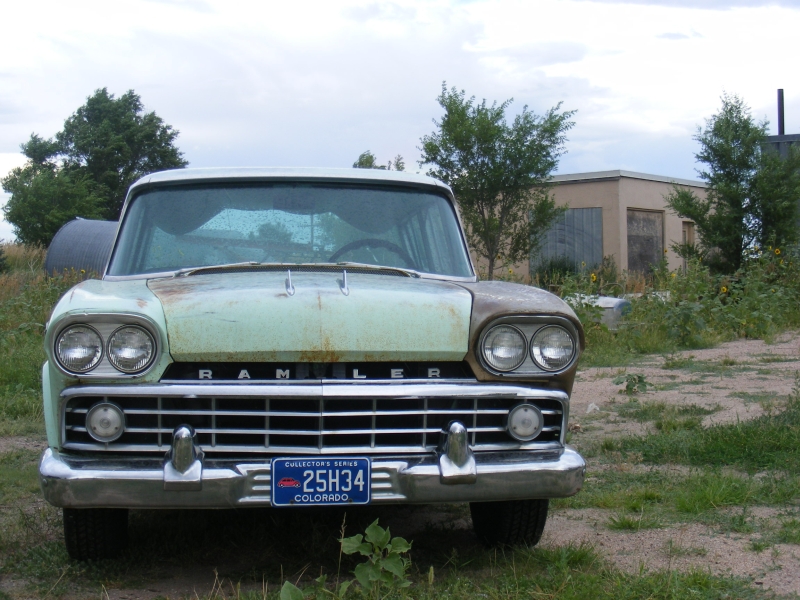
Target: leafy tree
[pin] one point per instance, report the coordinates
(87, 168)
(752, 194)
(499, 172)
(367, 160)
(3, 262)
(44, 197)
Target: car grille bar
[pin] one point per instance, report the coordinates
(292, 420)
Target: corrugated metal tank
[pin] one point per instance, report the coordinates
(81, 244)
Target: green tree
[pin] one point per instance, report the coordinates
(87, 168)
(499, 172)
(752, 193)
(44, 197)
(367, 160)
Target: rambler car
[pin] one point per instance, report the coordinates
(298, 338)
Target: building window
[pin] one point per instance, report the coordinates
(577, 236)
(645, 239)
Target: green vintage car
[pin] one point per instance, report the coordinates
(297, 338)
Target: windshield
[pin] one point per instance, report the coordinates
(204, 225)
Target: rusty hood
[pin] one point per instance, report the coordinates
(250, 316)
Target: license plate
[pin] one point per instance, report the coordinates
(320, 481)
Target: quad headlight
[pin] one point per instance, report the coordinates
(111, 346)
(552, 348)
(504, 348)
(526, 346)
(79, 348)
(130, 349)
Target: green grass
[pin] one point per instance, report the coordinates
(633, 521)
(675, 497)
(667, 417)
(789, 532)
(18, 475)
(27, 297)
(767, 442)
(757, 396)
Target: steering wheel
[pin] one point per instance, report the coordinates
(375, 243)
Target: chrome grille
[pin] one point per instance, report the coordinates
(279, 425)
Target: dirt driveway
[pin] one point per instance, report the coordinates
(739, 380)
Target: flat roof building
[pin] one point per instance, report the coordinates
(619, 214)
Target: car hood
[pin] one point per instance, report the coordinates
(250, 316)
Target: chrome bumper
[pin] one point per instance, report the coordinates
(90, 481)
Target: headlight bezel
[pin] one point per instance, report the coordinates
(105, 324)
(529, 325)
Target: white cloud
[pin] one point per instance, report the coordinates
(317, 83)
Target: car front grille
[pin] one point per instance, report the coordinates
(230, 425)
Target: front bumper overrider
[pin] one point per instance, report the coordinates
(85, 481)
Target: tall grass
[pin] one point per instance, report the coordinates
(27, 297)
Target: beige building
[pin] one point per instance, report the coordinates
(621, 214)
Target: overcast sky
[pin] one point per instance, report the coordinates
(317, 83)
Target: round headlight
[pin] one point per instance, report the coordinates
(105, 422)
(552, 348)
(130, 349)
(504, 348)
(525, 422)
(79, 348)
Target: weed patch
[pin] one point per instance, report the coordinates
(767, 442)
(633, 522)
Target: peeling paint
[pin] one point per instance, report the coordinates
(238, 317)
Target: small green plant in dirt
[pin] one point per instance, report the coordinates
(634, 384)
(665, 417)
(789, 532)
(385, 570)
(633, 522)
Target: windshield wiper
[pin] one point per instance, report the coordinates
(191, 270)
(409, 272)
(339, 265)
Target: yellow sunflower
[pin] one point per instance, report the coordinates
(777, 251)
(723, 290)
(594, 277)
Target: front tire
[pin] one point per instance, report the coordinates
(509, 523)
(95, 533)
